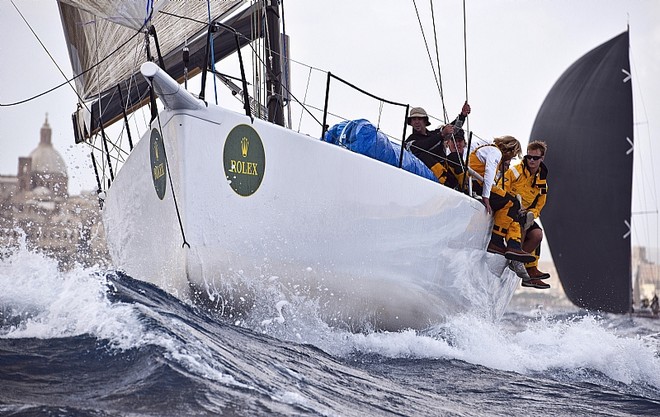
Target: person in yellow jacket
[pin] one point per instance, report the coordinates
(529, 180)
(489, 162)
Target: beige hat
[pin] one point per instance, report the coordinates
(418, 112)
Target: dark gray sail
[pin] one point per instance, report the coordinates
(587, 121)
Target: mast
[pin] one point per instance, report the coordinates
(274, 99)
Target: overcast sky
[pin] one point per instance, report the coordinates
(516, 51)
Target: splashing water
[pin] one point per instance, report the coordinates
(282, 345)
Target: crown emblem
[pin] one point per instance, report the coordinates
(245, 144)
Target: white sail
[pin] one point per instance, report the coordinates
(104, 40)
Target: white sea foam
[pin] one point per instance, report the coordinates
(568, 347)
(39, 301)
(44, 302)
(536, 344)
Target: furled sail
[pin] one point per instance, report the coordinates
(587, 121)
(106, 45)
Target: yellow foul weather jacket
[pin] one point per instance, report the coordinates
(532, 188)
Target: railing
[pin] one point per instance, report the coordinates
(465, 187)
(324, 126)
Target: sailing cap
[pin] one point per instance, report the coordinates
(418, 112)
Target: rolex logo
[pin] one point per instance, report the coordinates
(244, 160)
(245, 144)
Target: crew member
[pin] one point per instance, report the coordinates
(488, 161)
(429, 145)
(528, 179)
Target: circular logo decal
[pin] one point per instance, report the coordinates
(158, 165)
(244, 160)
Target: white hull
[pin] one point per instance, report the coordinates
(370, 243)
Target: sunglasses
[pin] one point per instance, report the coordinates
(533, 157)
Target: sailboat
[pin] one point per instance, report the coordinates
(220, 206)
(587, 122)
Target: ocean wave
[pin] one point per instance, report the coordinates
(117, 341)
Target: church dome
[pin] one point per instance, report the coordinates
(45, 159)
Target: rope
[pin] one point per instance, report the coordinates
(380, 113)
(169, 176)
(304, 103)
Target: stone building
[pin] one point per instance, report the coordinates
(35, 207)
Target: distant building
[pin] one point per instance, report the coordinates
(35, 206)
(646, 274)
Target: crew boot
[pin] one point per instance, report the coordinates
(535, 283)
(536, 274)
(515, 253)
(496, 245)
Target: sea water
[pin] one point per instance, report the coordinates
(94, 342)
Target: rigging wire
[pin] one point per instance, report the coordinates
(309, 77)
(465, 64)
(260, 60)
(303, 104)
(437, 57)
(118, 153)
(380, 113)
(169, 176)
(105, 156)
(428, 52)
(68, 81)
(139, 51)
(116, 146)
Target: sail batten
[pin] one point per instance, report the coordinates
(587, 121)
